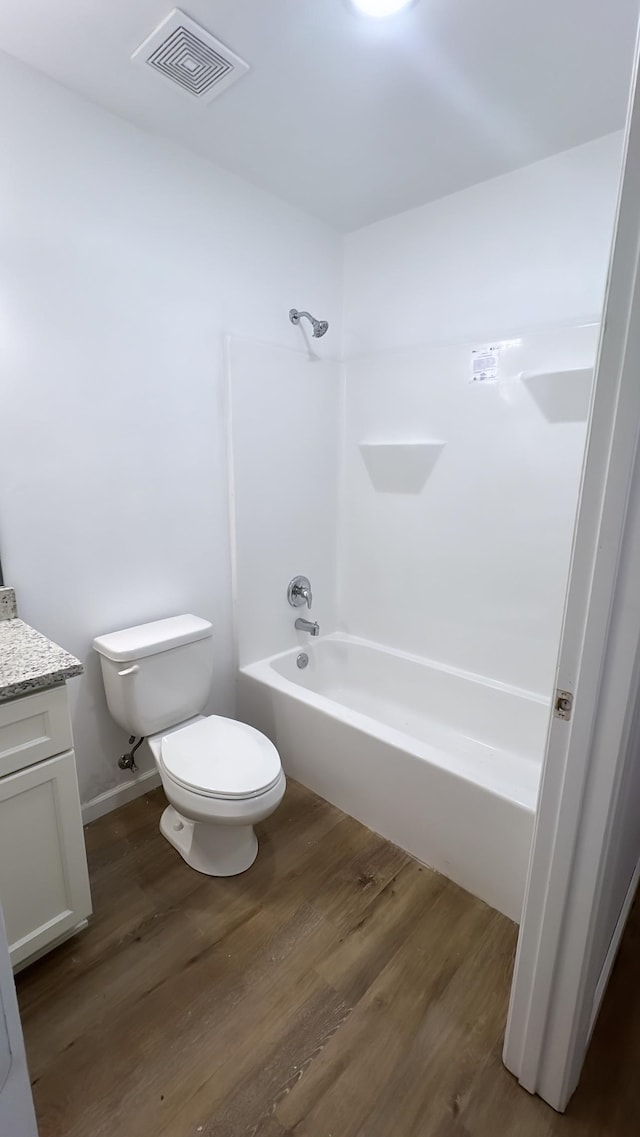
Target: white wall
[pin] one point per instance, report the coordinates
(520, 251)
(123, 261)
(285, 431)
(471, 572)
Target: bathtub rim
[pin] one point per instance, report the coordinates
(411, 657)
(523, 794)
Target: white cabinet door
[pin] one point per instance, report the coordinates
(17, 1118)
(44, 884)
(5, 1046)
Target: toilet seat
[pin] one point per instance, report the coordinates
(220, 758)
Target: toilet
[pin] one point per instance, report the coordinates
(221, 777)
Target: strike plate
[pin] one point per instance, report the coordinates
(563, 705)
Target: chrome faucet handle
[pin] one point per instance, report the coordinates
(299, 592)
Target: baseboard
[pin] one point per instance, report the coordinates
(119, 795)
(613, 948)
(49, 947)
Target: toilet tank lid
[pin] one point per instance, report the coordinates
(150, 639)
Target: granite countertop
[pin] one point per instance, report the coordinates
(30, 662)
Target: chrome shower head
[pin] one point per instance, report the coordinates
(319, 326)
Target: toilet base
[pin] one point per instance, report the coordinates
(216, 850)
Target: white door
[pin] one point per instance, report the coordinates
(16, 1105)
(586, 848)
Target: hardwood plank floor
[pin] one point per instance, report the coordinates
(337, 989)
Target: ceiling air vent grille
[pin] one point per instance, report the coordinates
(185, 54)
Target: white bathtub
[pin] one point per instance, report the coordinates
(443, 763)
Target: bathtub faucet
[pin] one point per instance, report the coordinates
(310, 626)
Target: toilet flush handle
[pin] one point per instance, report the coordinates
(128, 671)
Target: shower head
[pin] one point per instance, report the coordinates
(319, 326)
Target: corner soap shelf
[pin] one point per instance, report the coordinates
(561, 396)
(400, 467)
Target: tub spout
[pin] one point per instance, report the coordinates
(312, 627)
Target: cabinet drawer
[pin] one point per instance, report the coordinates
(33, 728)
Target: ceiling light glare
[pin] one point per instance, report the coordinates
(378, 8)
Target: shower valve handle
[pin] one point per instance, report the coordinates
(299, 592)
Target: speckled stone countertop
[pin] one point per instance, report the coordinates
(8, 606)
(30, 662)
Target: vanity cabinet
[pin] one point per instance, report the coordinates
(44, 883)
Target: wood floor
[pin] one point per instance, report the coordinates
(337, 989)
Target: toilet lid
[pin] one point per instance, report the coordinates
(222, 758)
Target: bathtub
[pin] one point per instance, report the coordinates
(444, 764)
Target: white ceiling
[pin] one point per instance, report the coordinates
(349, 118)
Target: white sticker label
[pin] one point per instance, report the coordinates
(485, 363)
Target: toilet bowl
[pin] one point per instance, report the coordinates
(221, 778)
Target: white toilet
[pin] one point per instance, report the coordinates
(221, 776)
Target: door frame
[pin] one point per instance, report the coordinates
(555, 997)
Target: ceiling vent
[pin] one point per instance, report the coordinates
(186, 55)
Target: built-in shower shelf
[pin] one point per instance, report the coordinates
(400, 467)
(561, 396)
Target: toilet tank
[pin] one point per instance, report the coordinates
(157, 675)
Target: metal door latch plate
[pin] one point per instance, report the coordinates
(563, 705)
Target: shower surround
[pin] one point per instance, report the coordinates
(470, 569)
(434, 516)
(428, 490)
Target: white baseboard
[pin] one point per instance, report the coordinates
(119, 795)
(613, 948)
(50, 946)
